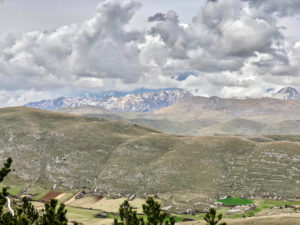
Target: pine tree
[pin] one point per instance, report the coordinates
(210, 217)
(53, 216)
(153, 212)
(26, 213)
(128, 215)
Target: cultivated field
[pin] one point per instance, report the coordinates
(235, 210)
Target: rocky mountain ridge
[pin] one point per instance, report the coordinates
(142, 102)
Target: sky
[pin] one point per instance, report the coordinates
(227, 48)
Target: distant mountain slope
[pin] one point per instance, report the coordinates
(144, 119)
(119, 157)
(142, 102)
(267, 124)
(259, 109)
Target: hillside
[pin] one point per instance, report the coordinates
(115, 156)
(144, 119)
(223, 116)
(259, 109)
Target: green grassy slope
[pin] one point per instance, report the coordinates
(72, 151)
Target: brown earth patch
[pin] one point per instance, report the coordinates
(50, 195)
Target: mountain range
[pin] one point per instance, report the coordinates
(178, 112)
(141, 102)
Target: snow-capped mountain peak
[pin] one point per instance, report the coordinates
(286, 93)
(142, 102)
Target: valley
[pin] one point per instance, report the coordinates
(113, 158)
(221, 147)
(143, 112)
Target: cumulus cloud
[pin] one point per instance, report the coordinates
(226, 39)
(222, 37)
(223, 34)
(98, 48)
(232, 47)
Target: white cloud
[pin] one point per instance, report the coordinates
(230, 48)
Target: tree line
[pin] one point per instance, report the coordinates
(155, 216)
